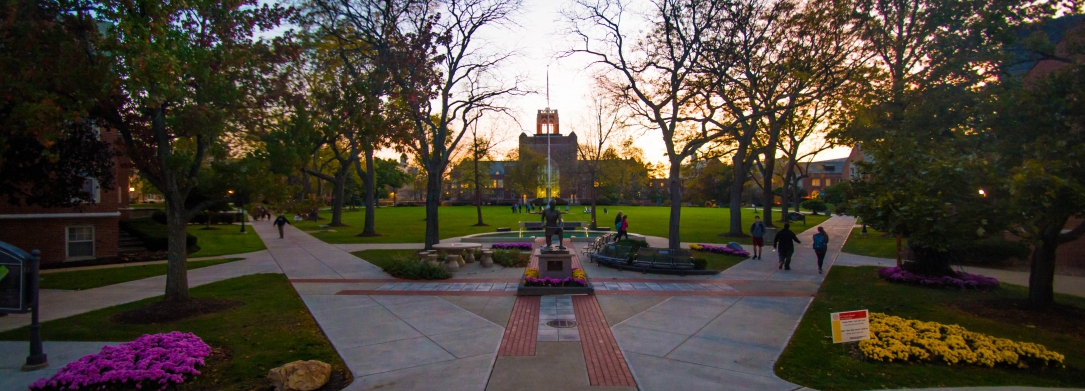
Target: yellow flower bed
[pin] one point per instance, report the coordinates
(578, 273)
(895, 338)
(696, 247)
(531, 273)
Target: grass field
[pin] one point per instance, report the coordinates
(717, 261)
(272, 328)
(384, 258)
(407, 225)
(812, 360)
(873, 244)
(93, 278)
(225, 240)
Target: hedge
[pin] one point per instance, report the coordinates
(154, 235)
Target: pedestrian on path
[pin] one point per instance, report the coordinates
(821, 244)
(784, 246)
(618, 225)
(281, 222)
(624, 230)
(757, 230)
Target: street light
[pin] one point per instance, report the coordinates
(983, 193)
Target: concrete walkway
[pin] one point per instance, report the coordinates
(1069, 285)
(703, 343)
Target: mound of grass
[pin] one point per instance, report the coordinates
(94, 278)
(715, 261)
(271, 328)
(511, 258)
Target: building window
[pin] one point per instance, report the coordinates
(829, 168)
(815, 182)
(90, 186)
(828, 181)
(80, 242)
(500, 183)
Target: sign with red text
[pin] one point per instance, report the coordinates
(851, 326)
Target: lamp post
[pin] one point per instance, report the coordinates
(37, 358)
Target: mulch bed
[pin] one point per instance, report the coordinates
(169, 311)
(1058, 318)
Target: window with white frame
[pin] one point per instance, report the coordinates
(815, 182)
(828, 181)
(80, 242)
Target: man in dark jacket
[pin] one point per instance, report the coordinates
(280, 222)
(784, 244)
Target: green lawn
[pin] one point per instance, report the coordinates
(717, 261)
(812, 360)
(87, 279)
(873, 244)
(272, 328)
(407, 225)
(154, 205)
(225, 240)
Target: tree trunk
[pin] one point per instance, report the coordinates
(1041, 279)
(785, 193)
(594, 225)
(478, 194)
(929, 261)
(739, 164)
(673, 240)
(433, 201)
(339, 189)
(177, 249)
(370, 195)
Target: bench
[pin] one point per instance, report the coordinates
(664, 258)
(793, 216)
(611, 253)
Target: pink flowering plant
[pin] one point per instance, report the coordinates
(153, 359)
(712, 248)
(555, 282)
(512, 246)
(962, 280)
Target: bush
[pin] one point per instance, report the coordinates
(814, 205)
(634, 244)
(155, 236)
(150, 360)
(962, 280)
(898, 339)
(159, 217)
(510, 258)
(411, 269)
(700, 264)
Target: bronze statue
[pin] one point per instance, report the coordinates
(552, 220)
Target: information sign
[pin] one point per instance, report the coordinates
(851, 326)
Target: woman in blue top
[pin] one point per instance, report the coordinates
(821, 244)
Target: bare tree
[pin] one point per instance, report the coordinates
(654, 76)
(481, 147)
(810, 121)
(603, 123)
(448, 80)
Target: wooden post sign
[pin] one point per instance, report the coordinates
(851, 326)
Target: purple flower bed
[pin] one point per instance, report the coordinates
(512, 246)
(723, 250)
(151, 359)
(963, 280)
(548, 281)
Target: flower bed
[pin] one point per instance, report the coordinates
(894, 338)
(531, 278)
(963, 280)
(512, 246)
(151, 359)
(719, 250)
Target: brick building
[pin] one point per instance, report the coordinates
(67, 234)
(825, 173)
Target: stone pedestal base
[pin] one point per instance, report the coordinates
(487, 259)
(555, 264)
(452, 263)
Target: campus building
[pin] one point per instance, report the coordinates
(86, 231)
(824, 173)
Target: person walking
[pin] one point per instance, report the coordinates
(280, 223)
(821, 245)
(624, 228)
(757, 230)
(618, 225)
(784, 246)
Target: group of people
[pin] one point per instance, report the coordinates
(260, 212)
(784, 243)
(621, 224)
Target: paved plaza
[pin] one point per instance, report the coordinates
(639, 331)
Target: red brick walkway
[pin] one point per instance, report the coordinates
(606, 364)
(523, 328)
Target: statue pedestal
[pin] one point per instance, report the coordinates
(555, 263)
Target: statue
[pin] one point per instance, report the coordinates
(552, 221)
